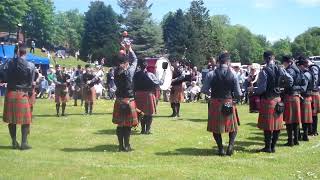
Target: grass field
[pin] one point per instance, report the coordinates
(85, 147)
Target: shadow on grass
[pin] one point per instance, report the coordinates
(196, 120)
(100, 148)
(74, 114)
(188, 151)
(113, 132)
(5, 147)
(252, 124)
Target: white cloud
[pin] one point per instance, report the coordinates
(309, 2)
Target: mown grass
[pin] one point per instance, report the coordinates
(69, 62)
(85, 147)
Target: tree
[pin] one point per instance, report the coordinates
(176, 34)
(146, 34)
(101, 32)
(68, 29)
(38, 21)
(307, 43)
(11, 13)
(282, 47)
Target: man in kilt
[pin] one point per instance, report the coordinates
(222, 111)
(177, 92)
(145, 84)
(291, 98)
(61, 90)
(315, 71)
(125, 113)
(76, 77)
(306, 102)
(270, 114)
(17, 108)
(89, 92)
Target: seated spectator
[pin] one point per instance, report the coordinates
(193, 91)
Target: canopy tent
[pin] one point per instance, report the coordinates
(7, 53)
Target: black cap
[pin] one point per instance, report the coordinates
(286, 58)
(87, 66)
(57, 65)
(143, 63)
(225, 56)
(122, 59)
(268, 54)
(79, 67)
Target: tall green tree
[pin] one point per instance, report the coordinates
(146, 34)
(12, 13)
(68, 29)
(307, 43)
(101, 32)
(38, 21)
(282, 47)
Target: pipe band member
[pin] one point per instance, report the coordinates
(125, 111)
(17, 108)
(222, 111)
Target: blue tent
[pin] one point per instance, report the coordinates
(38, 61)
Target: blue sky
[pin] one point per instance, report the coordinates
(273, 18)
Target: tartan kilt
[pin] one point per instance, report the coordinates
(32, 98)
(77, 92)
(61, 94)
(218, 122)
(127, 119)
(176, 94)
(315, 103)
(292, 110)
(89, 94)
(306, 110)
(17, 108)
(268, 119)
(146, 102)
(254, 103)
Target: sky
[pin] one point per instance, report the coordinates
(274, 19)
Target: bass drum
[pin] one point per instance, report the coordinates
(159, 73)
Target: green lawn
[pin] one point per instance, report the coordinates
(85, 147)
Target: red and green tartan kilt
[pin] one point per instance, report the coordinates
(315, 103)
(157, 93)
(254, 103)
(17, 108)
(268, 119)
(176, 94)
(292, 109)
(61, 94)
(89, 95)
(127, 119)
(306, 110)
(146, 102)
(218, 122)
(32, 98)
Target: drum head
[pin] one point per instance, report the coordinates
(159, 72)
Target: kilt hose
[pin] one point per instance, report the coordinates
(306, 110)
(315, 103)
(292, 110)
(17, 108)
(254, 103)
(61, 94)
(89, 94)
(125, 118)
(218, 122)
(146, 102)
(176, 94)
(268, 119)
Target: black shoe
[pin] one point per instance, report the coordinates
(305, 138)
(221, 152)
(143, 132)
(148, 133)
(58, 115)
(265, 149)
(15, 145)
(25, 147)
(296, 143)
(230, 151)
(289, 143)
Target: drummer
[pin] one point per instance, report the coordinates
(145, 84)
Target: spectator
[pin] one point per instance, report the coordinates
(99, 90)
(33, 46)
(193, 91)
(43, 86)
(111, 84)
